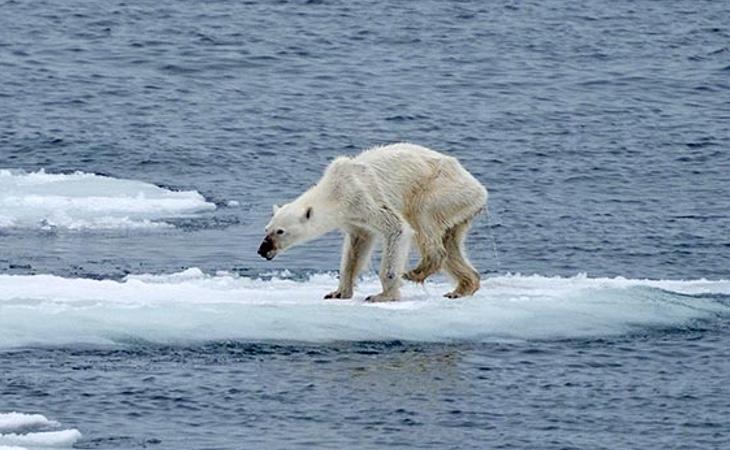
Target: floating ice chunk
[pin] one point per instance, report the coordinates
(191, 306)
(43, 439)
(190, 274)
(15, 421)
(88, 201)
(18, 431)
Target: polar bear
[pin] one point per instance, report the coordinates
(398, 192)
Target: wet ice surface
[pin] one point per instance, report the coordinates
(191, 306)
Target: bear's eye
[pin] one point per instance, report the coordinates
(280, 231)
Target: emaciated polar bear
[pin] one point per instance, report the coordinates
(398, 191)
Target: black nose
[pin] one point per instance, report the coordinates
(266, 246)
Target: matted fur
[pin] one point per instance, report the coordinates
(399, 192)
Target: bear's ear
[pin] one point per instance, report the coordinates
(308, 214)
(275, 208)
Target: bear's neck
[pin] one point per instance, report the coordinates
(326, 210)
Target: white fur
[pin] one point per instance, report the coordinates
(397, 192)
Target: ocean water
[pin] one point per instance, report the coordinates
(143, 143)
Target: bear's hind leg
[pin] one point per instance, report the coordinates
(457, 265)
(433, 253)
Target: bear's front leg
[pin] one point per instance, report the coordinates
(339, 293)
(395, 252)
(355, 255)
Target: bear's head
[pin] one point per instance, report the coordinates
(291, 224)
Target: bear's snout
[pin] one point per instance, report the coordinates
(266, 249)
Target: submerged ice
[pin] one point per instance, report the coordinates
(88, 201)
(19, 431)
(191, 306)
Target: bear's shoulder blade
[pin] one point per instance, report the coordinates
(344, 166)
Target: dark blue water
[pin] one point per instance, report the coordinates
(602, 130)
(659, 391)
